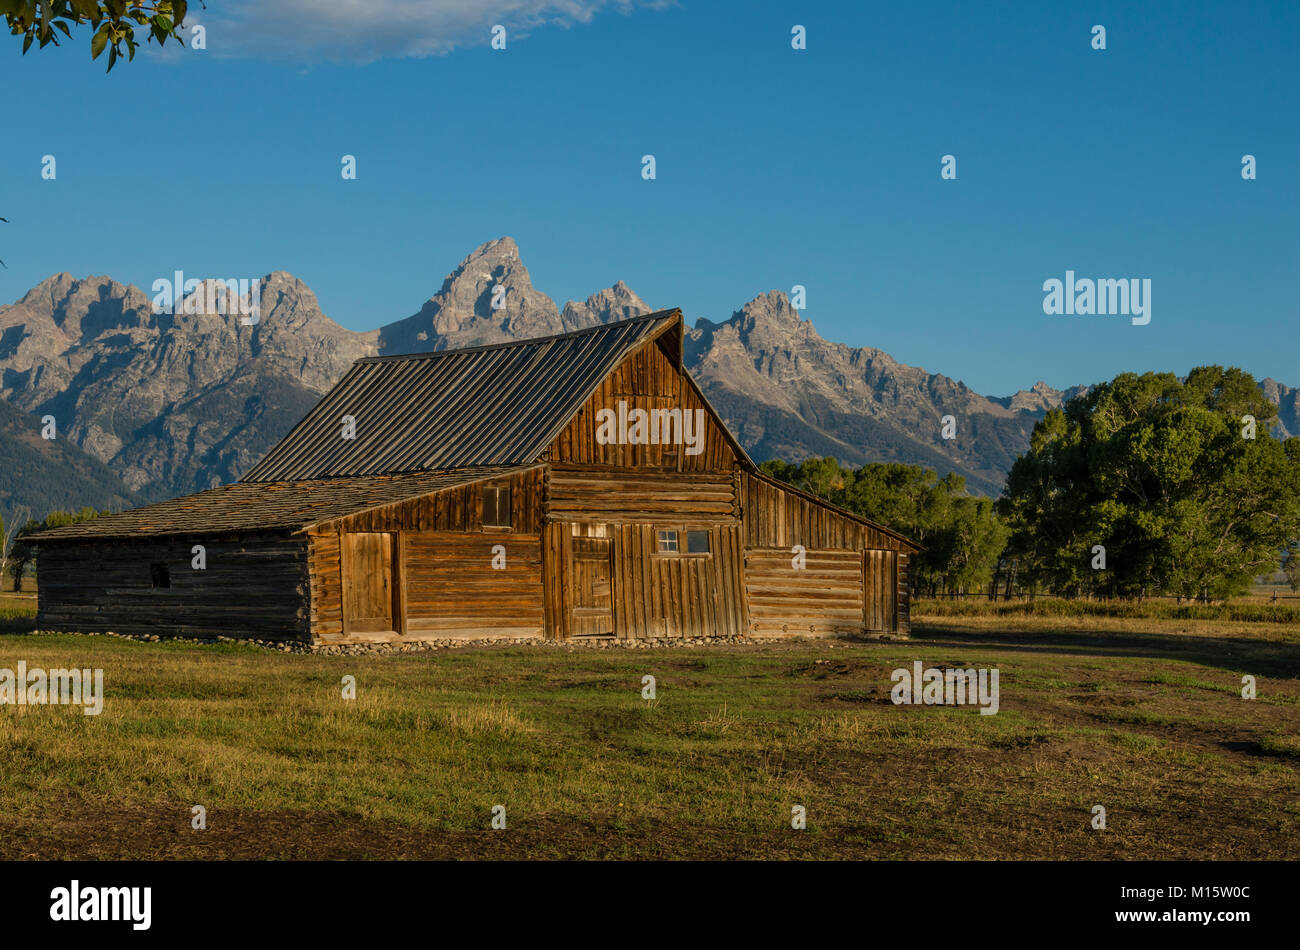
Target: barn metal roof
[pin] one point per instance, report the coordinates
(485, 405)
(277, 506)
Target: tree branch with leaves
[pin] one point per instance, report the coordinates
(116, 23)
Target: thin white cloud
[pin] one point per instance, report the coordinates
(367, 30)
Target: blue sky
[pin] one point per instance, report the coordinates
(775, 167)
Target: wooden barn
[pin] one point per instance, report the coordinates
(573, 486)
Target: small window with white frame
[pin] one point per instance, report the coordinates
(667, 541)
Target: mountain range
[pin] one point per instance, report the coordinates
(153, 405)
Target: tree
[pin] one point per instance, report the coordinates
(114, 22)
(22, 554)
(6, 536)
(1161, 474)
(1291, 567)
(962, 534)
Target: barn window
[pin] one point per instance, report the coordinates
(667, 542)
(697, 542)
(496, 506)
(160, 575)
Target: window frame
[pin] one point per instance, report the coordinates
(708, 542)
(496, 493)
(661, 540)
(682, 535)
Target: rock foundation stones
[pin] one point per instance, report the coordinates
(425, 646)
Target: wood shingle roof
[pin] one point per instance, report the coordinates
(267, 506)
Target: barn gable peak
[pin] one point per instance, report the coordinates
(501, 404)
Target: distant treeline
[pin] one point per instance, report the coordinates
(1146, 485)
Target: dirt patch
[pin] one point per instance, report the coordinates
(158, 832)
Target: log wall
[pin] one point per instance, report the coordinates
(447, 585)
(611, 496)
(452, 589)
(824, 597)
(253, 587)
(775, 521)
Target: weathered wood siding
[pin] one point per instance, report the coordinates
(775, 521)
(452, 589)
(677, 595)
(648, 380)
(653, 595)
(557, 567)
(903, 598)
(442, 572)
(824, 597)
(455, 509)
(447, 585)
(606, 495)
(775, 517)
(880, 581)
(253, 587)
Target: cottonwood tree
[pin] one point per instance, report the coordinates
(1158, 472)
(114, 23)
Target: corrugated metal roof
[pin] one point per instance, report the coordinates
(486, 405)
(268, 506)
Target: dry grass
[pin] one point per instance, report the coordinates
(1142, 717)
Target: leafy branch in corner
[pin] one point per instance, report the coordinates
(114, 22)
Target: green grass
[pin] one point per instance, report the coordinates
(1252, 612)
(17, 613)
(286, 767)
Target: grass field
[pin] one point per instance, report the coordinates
(1142, 716)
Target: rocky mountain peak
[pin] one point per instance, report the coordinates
(68, 308)
(609, 305)
(174, 402)
(772, 309)
(487, 299)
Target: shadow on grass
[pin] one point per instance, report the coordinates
(1264, 750)
(1237, 654)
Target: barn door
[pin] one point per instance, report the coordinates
(367, 582)
(880, 579)
(593, 601)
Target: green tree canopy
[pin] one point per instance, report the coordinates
(1170, 477)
